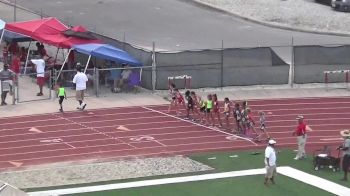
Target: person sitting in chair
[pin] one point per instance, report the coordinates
(124, 77)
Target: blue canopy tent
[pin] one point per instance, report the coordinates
(104, 51)
(108, 52)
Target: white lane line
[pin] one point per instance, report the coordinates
(313, 180)
(108, 132)
(69, 145)
(109, 126)
(73, 111)
(95, 130)
(113, 125)
(325, 100)
(231, 138)
(130, 143)
(332, 139)
(191, 149)
(76, 117)
(211, 128)
(150, 182)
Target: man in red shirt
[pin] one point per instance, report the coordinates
(300, 132)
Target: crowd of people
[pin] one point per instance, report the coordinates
(209, 111)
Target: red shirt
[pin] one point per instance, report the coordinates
(15, 65)
(180, 98)
(301, 129)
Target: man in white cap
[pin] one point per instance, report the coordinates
(300, 132)
(270, 162)
(346, 153)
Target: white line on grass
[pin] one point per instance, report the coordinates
(211, 128)
(287, 171)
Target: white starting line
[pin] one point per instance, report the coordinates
(287, 171)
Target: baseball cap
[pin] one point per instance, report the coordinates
(300, 117)
(272, 142)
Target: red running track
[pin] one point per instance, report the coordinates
(147, 131)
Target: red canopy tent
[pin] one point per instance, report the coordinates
(47, 30)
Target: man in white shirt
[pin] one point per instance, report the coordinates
(40, 74)
(270, 162)
(80, 80)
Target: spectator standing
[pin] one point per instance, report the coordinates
(13, 48)
(6, 76)
(5, 54)
(301, 133)
(80, 80)
(16, 63)
(346, 153)
(270, 162)
(40, 74)
(115, 75)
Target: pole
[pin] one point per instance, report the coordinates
(140, 74)
(87, 63)
(54, 62)
(14, 11)
(2, 35)
(124, 40)
(154, 67)
(292, 66)
(64, 62)
(97, 81)
(222, 64)
(27, 58)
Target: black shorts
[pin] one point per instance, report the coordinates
(346, 162)
(61, 100)
(208, 110)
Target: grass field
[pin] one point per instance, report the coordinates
(246, 185)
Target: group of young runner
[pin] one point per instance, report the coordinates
(208, 111)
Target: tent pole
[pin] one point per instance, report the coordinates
(27, 58)
(140, 74)
(2, 35)
(87, 63)
(54, 62)
(64, 62)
